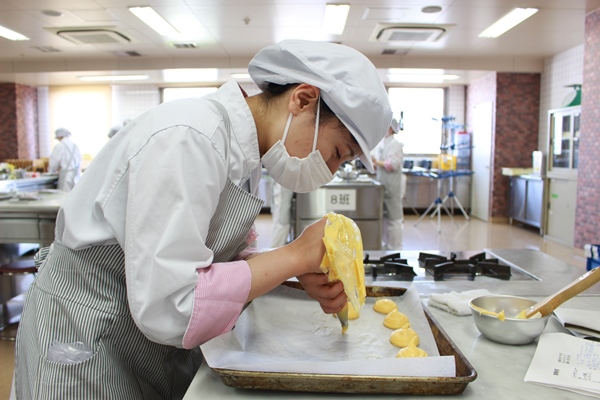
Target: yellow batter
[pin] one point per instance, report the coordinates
(403, 336)
(395, 320)
(411, 350)
(384, 306)
(343, 259)
(352, 313)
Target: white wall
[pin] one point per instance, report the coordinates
(560, 70)
(129, 101)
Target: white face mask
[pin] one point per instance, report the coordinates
(299, 175)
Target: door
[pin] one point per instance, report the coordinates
(482, 156)
(562, 200)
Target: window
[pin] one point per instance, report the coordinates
(169, 94)
(422, 109)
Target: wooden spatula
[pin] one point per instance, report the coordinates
(550, 303)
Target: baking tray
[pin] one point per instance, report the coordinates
(303, 382)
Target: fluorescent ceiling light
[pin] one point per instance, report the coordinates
(190, 75)
(419, 75)
(11, 35)
(240, 76)
(509, 21)
(415, 71)
(154, 21)
(335, 18)
(108, 78)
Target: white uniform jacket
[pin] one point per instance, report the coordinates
(153, 190)
(66, 161)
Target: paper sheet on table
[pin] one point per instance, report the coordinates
(582, 323)
(566, 362)
(286, 331)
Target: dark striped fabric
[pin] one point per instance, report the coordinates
(80, 296)
(231, 222)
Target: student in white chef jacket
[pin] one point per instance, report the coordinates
(281, 211)
(65, 160)
(389, 160)
(151, 256)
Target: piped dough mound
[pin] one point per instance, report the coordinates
(352, 313)
(384, 306)
(395, 320)
(411, 351)
(403, 336)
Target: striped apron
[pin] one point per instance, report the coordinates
(80, 296)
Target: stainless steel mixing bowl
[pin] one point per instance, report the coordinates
(511, 330)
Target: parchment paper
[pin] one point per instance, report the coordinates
(286, 331)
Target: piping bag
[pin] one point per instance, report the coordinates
(343, 261)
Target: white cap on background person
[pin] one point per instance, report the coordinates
(395, 125)
(350, 84)
(62, 132)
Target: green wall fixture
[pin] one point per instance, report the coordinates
(574, 98)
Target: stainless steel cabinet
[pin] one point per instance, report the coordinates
(526, 203)
(363, 202)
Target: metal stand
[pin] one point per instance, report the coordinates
(452, 197)
(438, 204)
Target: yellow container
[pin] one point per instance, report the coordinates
(447, 162)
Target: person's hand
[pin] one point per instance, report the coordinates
(330, 295)
(374, 160)
(309, 248)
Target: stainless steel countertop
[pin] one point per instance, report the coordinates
(9, 184)
(500, 368)
(49, 203)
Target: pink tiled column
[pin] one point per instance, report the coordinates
(587, 218)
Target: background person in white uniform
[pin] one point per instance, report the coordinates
(65, 160)
(281, 212)
(389, 159)
(151, 256)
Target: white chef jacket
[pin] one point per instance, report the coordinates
(66, 161)
(154, 190)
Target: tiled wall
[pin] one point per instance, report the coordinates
(560, 70)
(455, 103)
(516, 135)
(27, 122)
(8, 122)
(18, 121)
(587, 219)
(515, 99)
(129, 101)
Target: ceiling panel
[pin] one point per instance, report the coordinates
(227, 33)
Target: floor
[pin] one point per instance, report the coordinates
(456, 234)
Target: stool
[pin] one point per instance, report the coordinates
(13, 297)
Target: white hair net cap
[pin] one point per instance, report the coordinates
(62, 132)
(395, 125)
(350, 84)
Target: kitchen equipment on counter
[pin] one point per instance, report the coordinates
(512, 330)
(419, 266)
(537, 162)
(361, 200)
(550, 303)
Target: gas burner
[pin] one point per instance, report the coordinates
(442, 267)
(389, 267)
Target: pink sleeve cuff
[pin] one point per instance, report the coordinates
(219, 298)
(388, 166)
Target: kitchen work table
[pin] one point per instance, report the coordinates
(26, 220)
(500, 368)
(46, 181)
